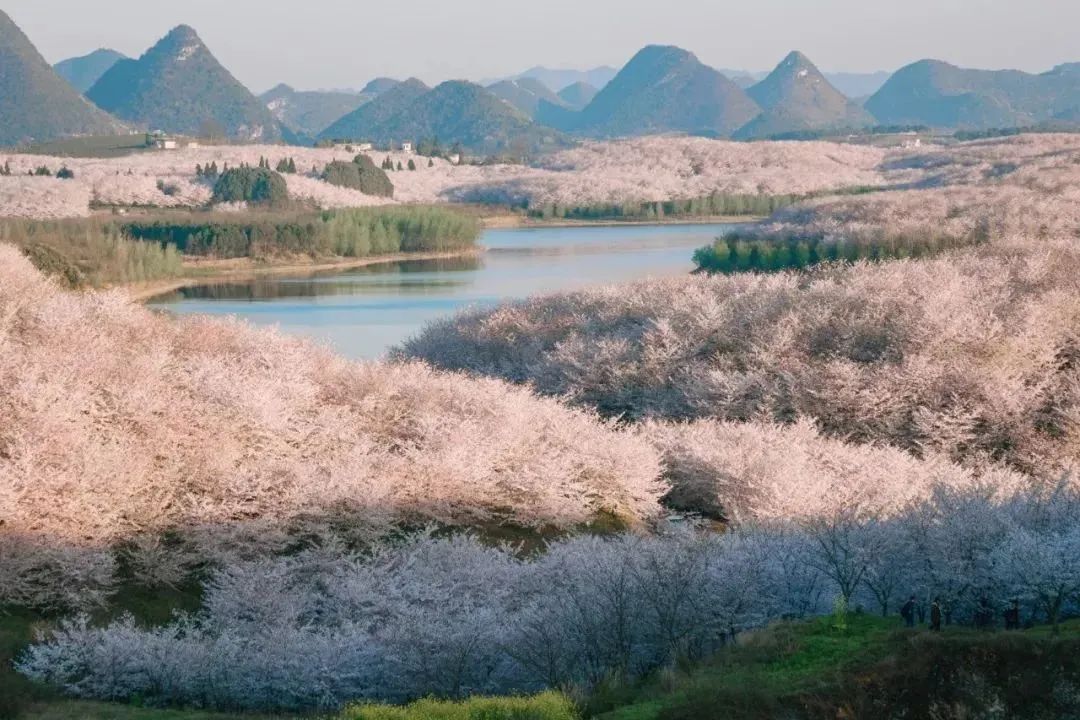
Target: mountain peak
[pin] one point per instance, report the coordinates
(1072, 68)
(797, 97)
(455, 111)
(82, 72)
(664, 89)
(795, 76)
(796, 59)
(183, 34)
(669, 54)
(182, 42)
(7, 24)
(37, 104)
(938, 94)
(179, 86)
(379, 85)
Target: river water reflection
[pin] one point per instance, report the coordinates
(365, 311)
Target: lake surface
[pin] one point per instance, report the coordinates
(365, 311)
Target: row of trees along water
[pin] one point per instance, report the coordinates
(738, 252)
(103, 251)
(355, 232)
(715, 205)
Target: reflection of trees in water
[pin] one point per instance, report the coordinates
(384, 277)
(463, 263)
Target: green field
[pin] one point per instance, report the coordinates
(93, 147)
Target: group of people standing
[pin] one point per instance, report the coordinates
(984, 614)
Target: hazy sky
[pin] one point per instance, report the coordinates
(340, 43)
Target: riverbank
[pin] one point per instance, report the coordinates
(208, 272)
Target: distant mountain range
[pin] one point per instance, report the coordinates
(662, 89)
(526, 94)
(310, 111)
(857, 86)
(36, 104)
(937, 94)
(180, 87)
(83, 72)
(359, 124)
(558, 80)
(453, 112)
(667, 89)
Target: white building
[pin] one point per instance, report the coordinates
(353, 147)
(407, 148)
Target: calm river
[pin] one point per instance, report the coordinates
(365, 311)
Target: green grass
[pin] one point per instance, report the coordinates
(546, 706)
(813, 669)
(786, 658)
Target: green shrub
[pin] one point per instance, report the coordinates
(253, 185)
(361, 174)
(55, 264)
(546, 706)
(366, 231)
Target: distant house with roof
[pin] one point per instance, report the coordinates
(164, 141)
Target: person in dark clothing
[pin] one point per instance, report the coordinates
(1012, 616)
(935, 615)
(908, 612)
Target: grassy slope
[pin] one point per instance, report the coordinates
(801, 669)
